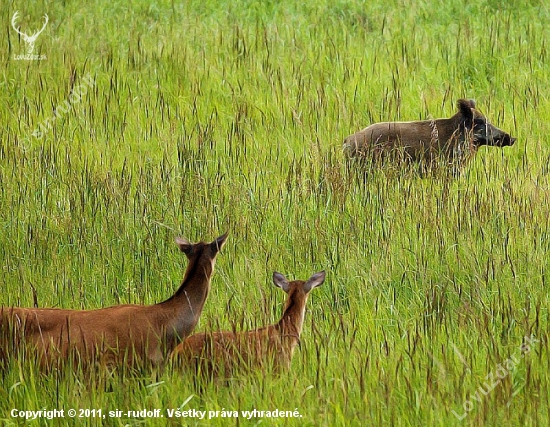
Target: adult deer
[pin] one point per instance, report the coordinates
(221, 353)
(130, 333)
(30, 40)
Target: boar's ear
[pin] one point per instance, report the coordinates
(465, 106)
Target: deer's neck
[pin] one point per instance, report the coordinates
(184, 308)
(194, 288)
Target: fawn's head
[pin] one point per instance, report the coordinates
(298, 287)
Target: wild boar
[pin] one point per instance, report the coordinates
(451, 141)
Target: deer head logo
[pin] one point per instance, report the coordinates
(30, 40)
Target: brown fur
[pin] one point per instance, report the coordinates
(449, 140)
(115, 334)
(222, 353)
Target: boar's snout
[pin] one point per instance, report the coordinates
(507, 140)
(498, 137)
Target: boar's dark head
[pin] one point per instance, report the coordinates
(477, 125)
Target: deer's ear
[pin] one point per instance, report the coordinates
(316, 280)
(185, 245)
(219, 242)
(280, 281)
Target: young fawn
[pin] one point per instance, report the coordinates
(131, 333)
(221, 353)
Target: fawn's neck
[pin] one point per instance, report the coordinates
(293, 315)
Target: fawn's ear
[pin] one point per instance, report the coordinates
(185, 245)
(219, 242)
(316, 280)
(280, 281)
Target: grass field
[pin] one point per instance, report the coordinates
(159, 119)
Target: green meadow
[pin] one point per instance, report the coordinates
(136, 122)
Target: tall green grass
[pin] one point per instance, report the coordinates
(214, 116)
